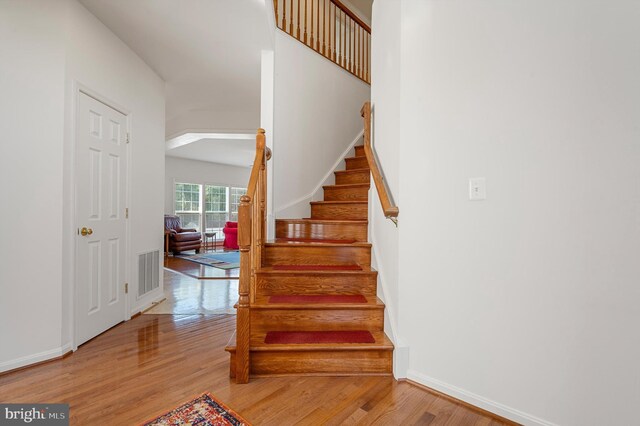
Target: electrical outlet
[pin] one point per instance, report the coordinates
(477, 189)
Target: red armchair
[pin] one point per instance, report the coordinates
(181, 239)
(230, 235)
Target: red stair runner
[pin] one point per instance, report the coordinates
(313, 240)
(317, 268)
(306, 337)
(322, 298)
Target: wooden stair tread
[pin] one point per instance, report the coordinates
(382, 342)
(325, 221)
(340, 202)
(329, 270)
(314, 244)
(329, 221)
(319, 336)
(346, 186)
(314, 240)
(314, 268)
(353, 171)
(371, 302)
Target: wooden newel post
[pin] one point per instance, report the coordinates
(243, 326)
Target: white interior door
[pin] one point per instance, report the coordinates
(101, 172)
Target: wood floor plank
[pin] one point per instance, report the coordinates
(153, 363)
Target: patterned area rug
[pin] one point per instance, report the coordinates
(202, 411)
(226, 260)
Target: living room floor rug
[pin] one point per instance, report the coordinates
(205, 410)
(226, 260)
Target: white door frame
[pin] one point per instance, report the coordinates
(79, 89)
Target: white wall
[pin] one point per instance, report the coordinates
(525, 303)
(385, 100)
(32, 108)
(48, 47)
(202, 172)
(316, 116)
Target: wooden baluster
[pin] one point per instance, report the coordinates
(275, 7)
(356, 47)
(324, 27)
(243, 326)
(346, 57)
(312, 44)
(342, 55)
(350, 46)
(306, 11)
(264, 191)
(318, 27)
(361, 55)
(366, 56)
(291, 17)
(298, 33)
(284, 15)
(256, 234)
(332, 40)
(369, 57)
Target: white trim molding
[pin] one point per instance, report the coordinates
(477, 400)
(35, 358)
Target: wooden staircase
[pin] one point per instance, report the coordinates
(322, 264)
(310, 305)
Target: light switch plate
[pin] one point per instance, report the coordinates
(477, 189)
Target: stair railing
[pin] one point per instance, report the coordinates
(390, 210)
(331, 29)
(252, 233)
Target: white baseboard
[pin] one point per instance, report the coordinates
(139, 308)
(309, 197)
(478, 401)
(35, 358)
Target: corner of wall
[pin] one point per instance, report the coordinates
(401, 349)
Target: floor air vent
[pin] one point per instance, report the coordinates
(148, 272)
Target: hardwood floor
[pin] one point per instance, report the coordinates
(188, 296)
(152, 363)
(196, 270)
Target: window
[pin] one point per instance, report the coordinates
(216, 207)
(187, 204)
(236, 194)
(206, 207)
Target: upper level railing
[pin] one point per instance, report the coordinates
(390, 210)
(252, 231)
(331, 29)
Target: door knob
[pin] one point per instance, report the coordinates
(86, 231)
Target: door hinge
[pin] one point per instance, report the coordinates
(126, 288)
(128, 137)
(126, 213)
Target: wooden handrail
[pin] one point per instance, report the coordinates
(390, 210)
(251, 238)
(331, 29)
(352, 15)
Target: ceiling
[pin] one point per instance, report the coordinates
(234, 149)
(234, 152)
(207, 51)
(208, 54)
